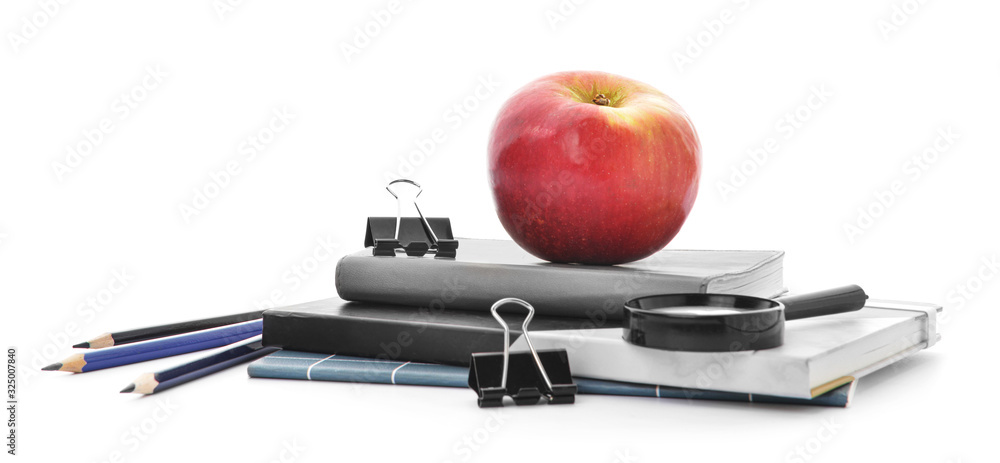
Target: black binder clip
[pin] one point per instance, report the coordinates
(524, 376)
(422, 235)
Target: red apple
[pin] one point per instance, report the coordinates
(593, 168)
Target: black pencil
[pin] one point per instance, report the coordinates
(150, 383)
(153, 332)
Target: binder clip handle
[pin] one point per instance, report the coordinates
(527, 339)
(399, 207)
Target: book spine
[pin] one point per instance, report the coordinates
(317, 367)
(596, 294)
(358, 370)
(400, 340)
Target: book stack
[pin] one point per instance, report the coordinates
(418, 320)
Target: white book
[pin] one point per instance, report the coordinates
(818, 354)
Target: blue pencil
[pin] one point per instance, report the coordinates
(244, 351)
(158, 348)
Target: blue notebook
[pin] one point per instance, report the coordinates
(287, 364)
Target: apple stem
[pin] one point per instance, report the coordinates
(601, 100)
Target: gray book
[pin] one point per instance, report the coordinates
(488, 270)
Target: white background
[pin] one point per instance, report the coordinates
(63, 235)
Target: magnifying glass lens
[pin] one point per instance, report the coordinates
(697, 311)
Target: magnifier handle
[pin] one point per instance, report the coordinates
(826, 302)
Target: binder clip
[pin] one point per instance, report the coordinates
(421, 235)
(524, 376)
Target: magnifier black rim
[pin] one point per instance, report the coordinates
(651, 327)
(703, 300)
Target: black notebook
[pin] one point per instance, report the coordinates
(391, 332)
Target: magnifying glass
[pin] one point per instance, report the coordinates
(727, 322)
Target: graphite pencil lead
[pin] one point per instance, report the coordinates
(54, 367)
(82, 345)
(129, 388)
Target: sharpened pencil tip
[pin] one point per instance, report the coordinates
(129, 388)
(82, 345)
(53, 367)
